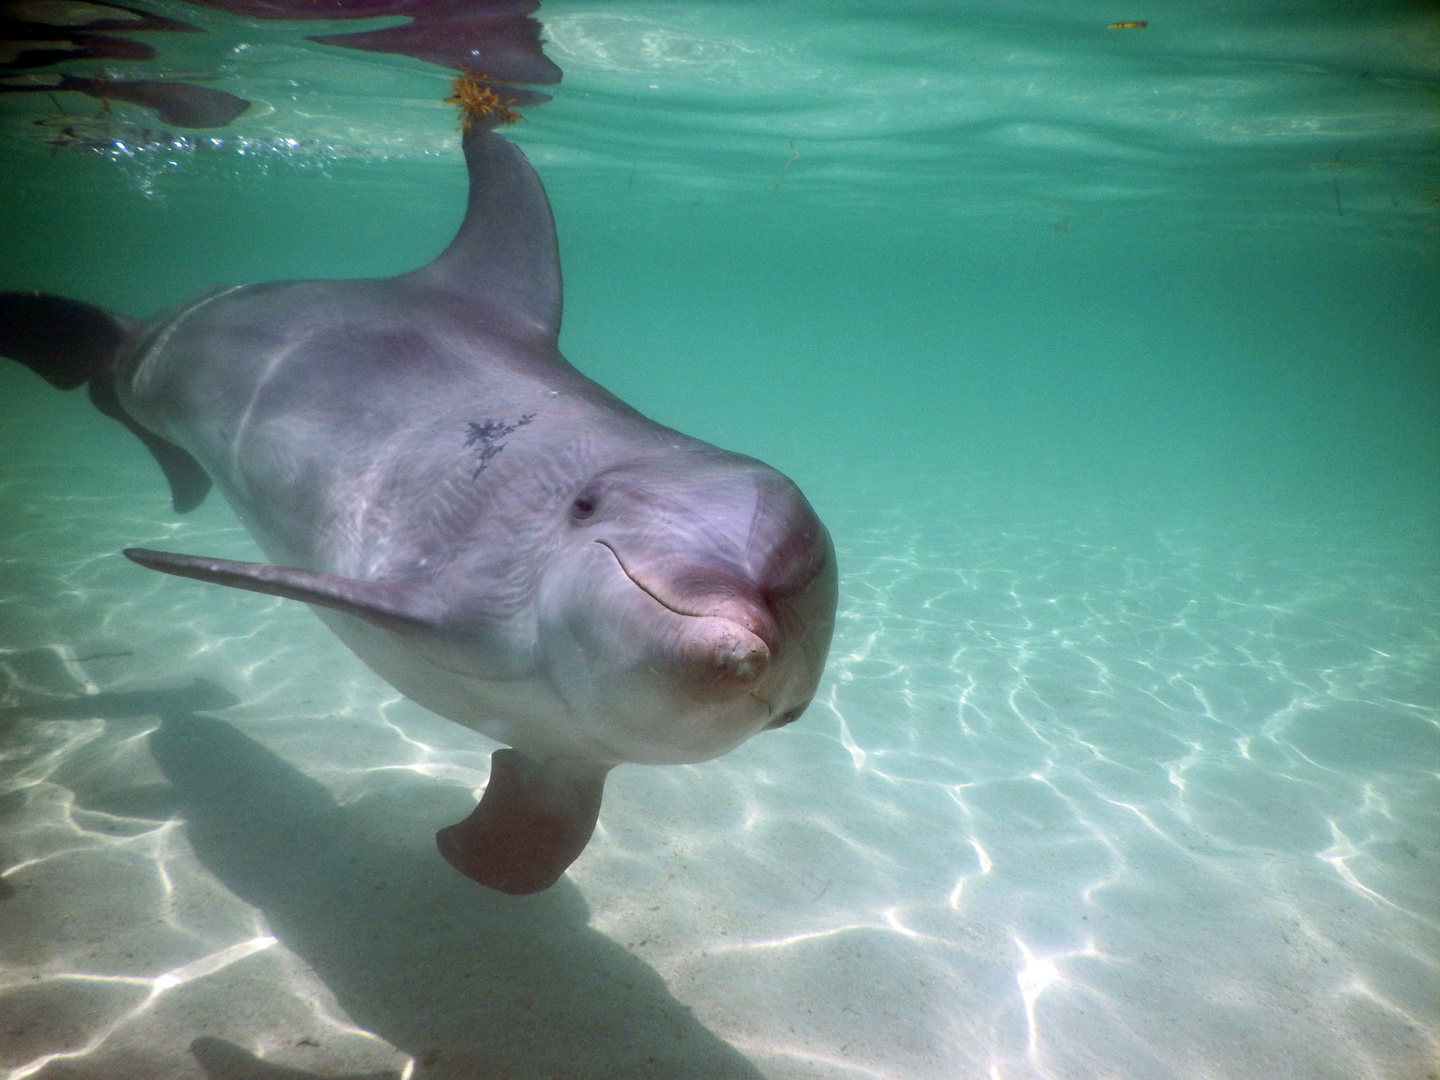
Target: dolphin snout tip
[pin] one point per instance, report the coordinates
(725, 657)
(752, 617)
(741, 655)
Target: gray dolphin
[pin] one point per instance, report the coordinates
(499, 538)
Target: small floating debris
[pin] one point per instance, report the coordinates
(795, 156)
(1128, 25)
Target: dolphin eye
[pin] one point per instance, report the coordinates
(583, 507)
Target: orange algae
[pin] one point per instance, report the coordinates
(478, 100)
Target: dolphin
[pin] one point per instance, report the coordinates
(495, 535)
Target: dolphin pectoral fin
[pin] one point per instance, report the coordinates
(532, 822)
(189, 483)
(388, 604)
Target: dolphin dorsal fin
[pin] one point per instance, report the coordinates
(504, 256)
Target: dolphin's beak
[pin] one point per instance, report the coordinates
(727, 635)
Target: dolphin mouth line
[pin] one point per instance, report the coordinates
(679, 611)
(643, 587)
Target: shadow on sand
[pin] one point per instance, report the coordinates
(471, 983)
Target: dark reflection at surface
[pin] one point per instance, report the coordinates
(37, 33)
(43, 33)
(174, 103)
(497, 39)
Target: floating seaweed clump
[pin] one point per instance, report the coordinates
(480, 102)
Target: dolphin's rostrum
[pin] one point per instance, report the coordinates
(498, 537)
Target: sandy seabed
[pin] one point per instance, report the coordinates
(1079, 798)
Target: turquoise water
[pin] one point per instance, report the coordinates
(1108, 357)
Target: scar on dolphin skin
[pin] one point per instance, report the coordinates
(483, 436)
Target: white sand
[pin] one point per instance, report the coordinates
(1075, 801)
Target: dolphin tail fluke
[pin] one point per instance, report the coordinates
(70, 344)
(532, 822)
(66, 342)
